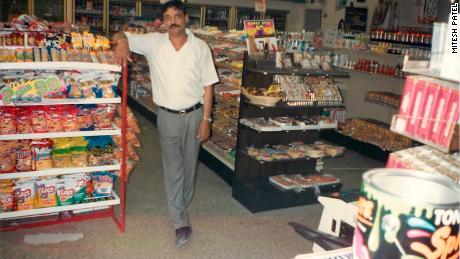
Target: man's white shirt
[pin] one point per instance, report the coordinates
(178, 77)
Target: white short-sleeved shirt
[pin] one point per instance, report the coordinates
(178, 77)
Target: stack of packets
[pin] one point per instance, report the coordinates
(295, 150)
(376, 133)
(34, 86)
(44, 192)
(43, 154)
(132, 141)
(425, 158)
(299, 182)
(55, 47)
(57, 118)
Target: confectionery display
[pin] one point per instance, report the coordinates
(290, 123)
(298, 181)
(374, 132)
(295, 150)
(310, 90)
(384, 98)
(425, 158)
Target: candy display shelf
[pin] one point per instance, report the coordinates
(107, 132)
(65, 101)
(59, 66)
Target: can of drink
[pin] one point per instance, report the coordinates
(407, 214)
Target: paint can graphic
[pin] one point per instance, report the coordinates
(407, 214)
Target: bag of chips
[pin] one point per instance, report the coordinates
(103, 115)
(55, 119)
(102, 183)
(46, 193)
(84, 117)
(24, 194)
(81, 182)
(24, 121)
(100, 150)
(7, 120)
(41, 154)
(7, 156)
(78, 152)
(39, 119)
(70, 122)
(65, 189)
(61, 152)
(23, 156)
(6, 195)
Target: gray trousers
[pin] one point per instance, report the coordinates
(179, 149)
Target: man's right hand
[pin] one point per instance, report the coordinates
(122, 49)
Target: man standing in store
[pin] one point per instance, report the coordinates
(182, 73)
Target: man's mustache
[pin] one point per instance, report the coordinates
(173, 25)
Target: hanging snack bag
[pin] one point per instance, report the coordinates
(46, 193)
(69, 115)
(73, 85)
(41, 154)
(100, 150)
(65, 189)
(24, 195)
(103, 115)
(23, 156)
(88, 85)
(7, 159)
(39, 119)
(6, 198)
(132, 139)
(24, 121)
(79, 154)
(55, 119)
(79, 194)
(61, 153)
(84, 118)
(102, 183)
(7, 120)
(107, 84)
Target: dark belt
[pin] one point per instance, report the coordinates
(183, 111)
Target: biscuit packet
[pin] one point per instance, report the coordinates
(102, 183)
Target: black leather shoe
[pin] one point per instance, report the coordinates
(183, 235)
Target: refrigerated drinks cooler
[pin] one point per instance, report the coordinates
(245, 14)
(53, 11)
(90, 13)
(120, 12)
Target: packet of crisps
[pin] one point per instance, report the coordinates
(24, 195)
(79, 194)
(65, 191)
(46, 193)
(6, 199)
(102, 183)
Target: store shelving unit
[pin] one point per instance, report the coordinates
(218, 16)
(7, 7)
(279, 18)
(101, 207)
(54, 11)
(245, 14)
(251, 186)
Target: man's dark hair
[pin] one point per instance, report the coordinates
(178, 5)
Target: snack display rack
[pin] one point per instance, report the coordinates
(251, 186)
(93, 207)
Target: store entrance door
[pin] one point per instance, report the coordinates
(312, 19)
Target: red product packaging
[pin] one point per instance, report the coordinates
(39, 119)
(70, 118)
(416, 106)
(24, 121)
(405, 107)
(55, 119)
(428, 107)
(441, 109)
(449, 119)
(7, 120)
